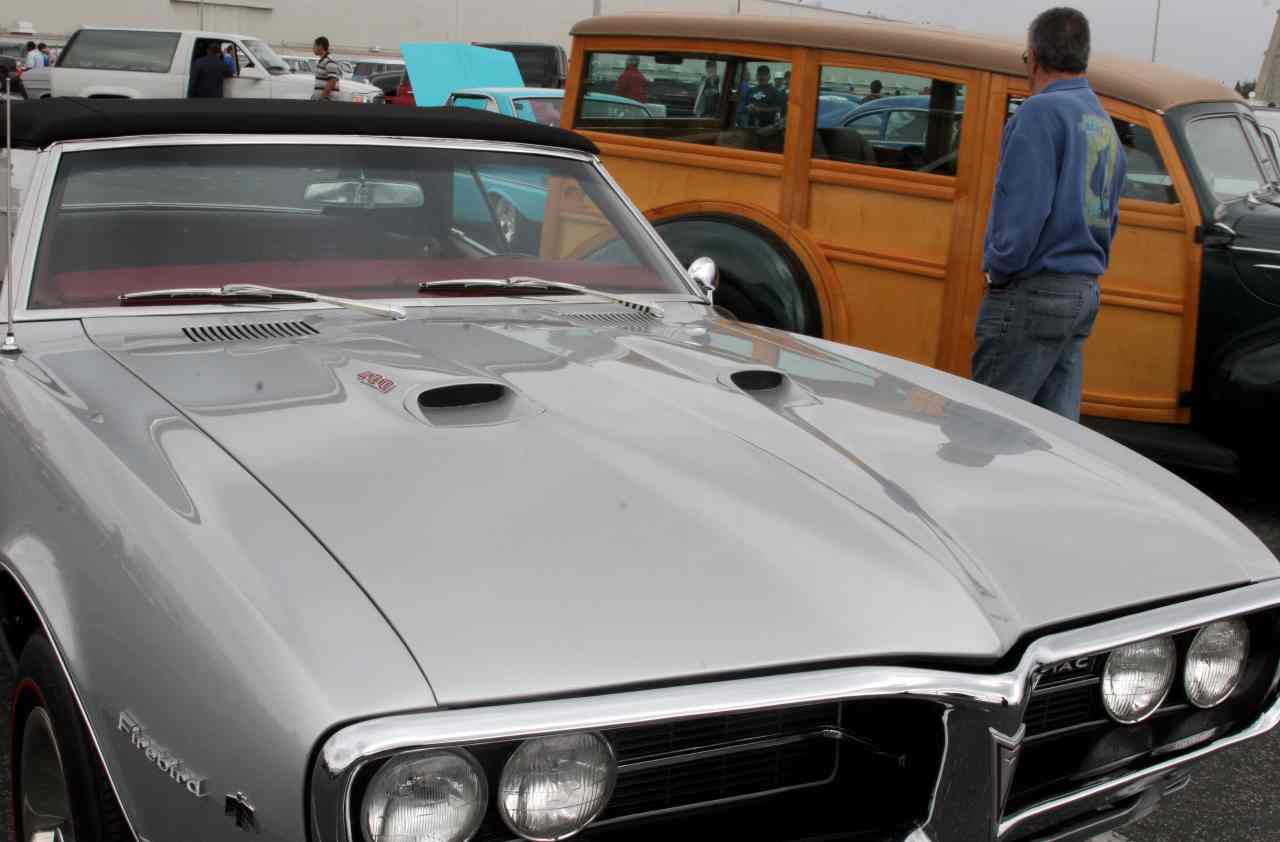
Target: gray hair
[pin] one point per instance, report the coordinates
(1060, 39)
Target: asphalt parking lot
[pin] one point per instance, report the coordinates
(1231, 797)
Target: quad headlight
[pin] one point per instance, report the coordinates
(1137, 678)
(553, 787)
(430, 796)
(1215, 662)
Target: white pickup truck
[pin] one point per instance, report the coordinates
(156, 64)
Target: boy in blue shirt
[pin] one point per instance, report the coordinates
(1053, 219)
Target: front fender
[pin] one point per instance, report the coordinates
(183, 598)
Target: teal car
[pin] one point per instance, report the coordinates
(513, 200)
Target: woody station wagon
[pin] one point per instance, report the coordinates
(869, 230)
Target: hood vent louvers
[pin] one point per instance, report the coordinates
(621, 318)
(249, 331)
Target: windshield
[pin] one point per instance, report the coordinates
(1224, 157)
(355, 221)
(265, 56)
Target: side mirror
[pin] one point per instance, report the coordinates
(1217, 234)
(706, 275)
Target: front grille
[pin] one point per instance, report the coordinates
(1062, 707)
(717, 778)
(699, 777)
(670, 737)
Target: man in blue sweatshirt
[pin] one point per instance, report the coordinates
(1053, 219)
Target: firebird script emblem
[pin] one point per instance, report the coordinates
(162, 758)
(377, 381)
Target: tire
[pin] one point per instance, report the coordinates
(45, 715)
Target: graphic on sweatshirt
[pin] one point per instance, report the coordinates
(1100, 170)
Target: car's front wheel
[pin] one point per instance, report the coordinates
(60, 793)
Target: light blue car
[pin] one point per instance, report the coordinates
(516, 201)
(542, 105)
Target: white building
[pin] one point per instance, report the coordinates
(355, 27)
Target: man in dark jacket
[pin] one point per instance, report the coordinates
(1053, 219)
(207, 74)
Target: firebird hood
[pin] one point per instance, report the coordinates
(626, 512)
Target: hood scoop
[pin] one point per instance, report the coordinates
(254, 331)
(469, 403)
(769, 386)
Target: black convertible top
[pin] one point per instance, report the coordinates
(38, 123)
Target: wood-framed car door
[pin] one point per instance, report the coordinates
(896, 232)
(1140, 358)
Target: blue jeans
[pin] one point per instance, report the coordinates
(1031, 335)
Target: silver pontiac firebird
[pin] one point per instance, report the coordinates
(339, 506)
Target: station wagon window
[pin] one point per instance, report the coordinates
(713, 100)
(1224, 158)
(888, 120)
(118, 49)
(1146, 177)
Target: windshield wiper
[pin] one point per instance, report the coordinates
(519, 282)
(256, 292)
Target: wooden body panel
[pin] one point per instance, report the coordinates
(896, 256)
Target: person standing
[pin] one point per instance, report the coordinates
(229, 58)
(707, 102)
(327, 72)
(1053, 220)
(631, 83)
(33, 58)
(764, 105)
(45, 59)
(207, 74)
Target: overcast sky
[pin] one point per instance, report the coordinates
(1224, 39)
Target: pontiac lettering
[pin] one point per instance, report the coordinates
(161, 757)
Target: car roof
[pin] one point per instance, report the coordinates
(1153, 86)
(39, 123)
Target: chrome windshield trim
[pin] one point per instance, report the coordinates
(247, 308)
(345, 751)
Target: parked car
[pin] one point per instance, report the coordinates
(1183, 361)
(153, 64)
(428, 539)
(301, 64)
(898, 128)
(362, 70)
(396, 87)
(541, 65)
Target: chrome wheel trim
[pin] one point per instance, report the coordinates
(46, 806)
(508, 219)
